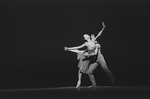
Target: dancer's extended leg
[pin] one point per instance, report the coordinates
(105, 68)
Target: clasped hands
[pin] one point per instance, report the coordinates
(66, 49)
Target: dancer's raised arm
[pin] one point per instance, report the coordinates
(100, 31)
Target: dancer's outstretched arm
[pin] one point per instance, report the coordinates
(84, 54)
(76, 51)
(100, 31)
(75, 48)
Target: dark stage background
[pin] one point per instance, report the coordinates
(34, 32)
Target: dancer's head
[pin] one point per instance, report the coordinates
(86, 37)
(92, 36)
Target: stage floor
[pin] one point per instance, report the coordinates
(100, 92)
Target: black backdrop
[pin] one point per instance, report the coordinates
(34, 32)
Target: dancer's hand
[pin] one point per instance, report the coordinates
(66, 49)
(103, 24)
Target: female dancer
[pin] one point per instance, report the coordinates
(84, 57)
(87, 64)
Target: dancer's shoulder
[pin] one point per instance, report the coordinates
(98, 45)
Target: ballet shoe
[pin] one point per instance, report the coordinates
(92, 86)
(78, 84)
